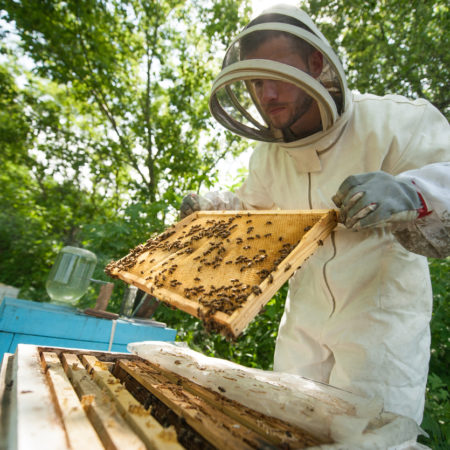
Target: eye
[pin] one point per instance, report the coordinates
(257, 84)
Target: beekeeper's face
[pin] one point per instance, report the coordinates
(286, 105)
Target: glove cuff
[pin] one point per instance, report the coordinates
(423, 210)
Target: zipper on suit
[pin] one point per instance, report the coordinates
(333, 243)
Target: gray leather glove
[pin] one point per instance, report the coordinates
(375, 199)
(189, 205)
(192, 203)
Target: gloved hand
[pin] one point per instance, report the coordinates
(375, 199)
(192, 203)
(189, 205)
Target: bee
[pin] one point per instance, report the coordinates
(268, 222)
(320, 242)
(267, 235)
(307, 228)
(280, 238)
(256, 289)
(288, 266)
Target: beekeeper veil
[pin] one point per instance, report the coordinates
(234, 100)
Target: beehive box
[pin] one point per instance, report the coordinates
(224, 266)
(54, 398)
(167, 397)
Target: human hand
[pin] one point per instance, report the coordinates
(375, 199)
(189, 205)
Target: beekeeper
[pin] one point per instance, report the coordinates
(357, 313)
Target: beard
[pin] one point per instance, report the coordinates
(300, 110)
(302, 105)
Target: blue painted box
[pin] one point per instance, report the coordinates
(28, 322)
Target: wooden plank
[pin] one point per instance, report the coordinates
(112, 429)
(35, 422)
(217, 428)
(152, 433)
(78, 428)
(224, 266)
(6, 384)
(103, 297)
(109, 357)
(273, 430)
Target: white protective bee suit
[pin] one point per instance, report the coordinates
(357, 313)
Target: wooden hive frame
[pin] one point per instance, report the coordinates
(224, 266)
(56, 398)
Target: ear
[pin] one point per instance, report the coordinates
(315, 61)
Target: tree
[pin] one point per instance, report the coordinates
(146, 67)
(391, 47)
(111, 129)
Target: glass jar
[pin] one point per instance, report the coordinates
(70, 275)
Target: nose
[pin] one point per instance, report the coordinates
(268, 91)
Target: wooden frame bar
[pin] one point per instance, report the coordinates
(34, 422)
(139, 419)
(107, 421)
(78, 428)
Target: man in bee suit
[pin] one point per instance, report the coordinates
(357, 313)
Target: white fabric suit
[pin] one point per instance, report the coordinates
(357, 314)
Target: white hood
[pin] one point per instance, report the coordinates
(233, 101)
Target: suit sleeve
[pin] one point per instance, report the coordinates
(429, 235)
